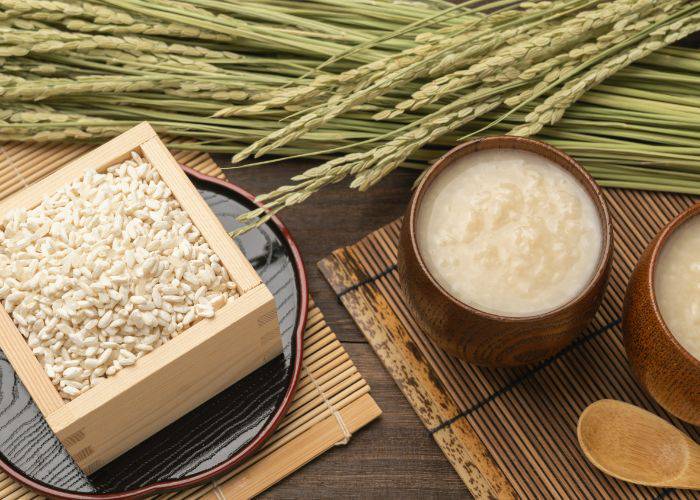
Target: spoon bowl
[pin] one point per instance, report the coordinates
(634, 445)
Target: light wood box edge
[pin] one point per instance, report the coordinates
(81, 424)
(180, 375)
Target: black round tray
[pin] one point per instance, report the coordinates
(209, 440)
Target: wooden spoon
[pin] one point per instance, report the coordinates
(635, 445)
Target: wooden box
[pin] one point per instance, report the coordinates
(178, 376)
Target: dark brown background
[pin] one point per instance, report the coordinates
(393, 456)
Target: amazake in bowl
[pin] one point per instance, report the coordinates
(669, 373)
(490, 339)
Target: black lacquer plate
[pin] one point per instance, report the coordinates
(211, 439)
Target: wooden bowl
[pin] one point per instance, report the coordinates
(490, 339)
(661, 364)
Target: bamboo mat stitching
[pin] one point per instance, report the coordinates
(341, 423)
(514, 383)
(11, 161)
(317, 332)
(368, 280)
(534, 461)
(522, 378)
(217, 490)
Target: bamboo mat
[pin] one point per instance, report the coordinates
(332, 400)
(509, 432)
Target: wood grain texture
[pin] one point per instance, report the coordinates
(635, 445)
(113, 417)
(238, 267)
(395, 456)
(338, 381)
(98, 158)
(182, 374)
(288, 448)
(491, 339)
(335, 217)
(524, 418)
(329, 390)
(285, 460)
(392, 341)
(663, 367)
(27, 366)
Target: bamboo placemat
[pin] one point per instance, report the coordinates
(509, 432)
(332, 400)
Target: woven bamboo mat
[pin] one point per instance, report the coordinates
(509, 432)
(332, 399)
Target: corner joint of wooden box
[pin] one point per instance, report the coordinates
(268, 322)
(171, 381)
(181, 374)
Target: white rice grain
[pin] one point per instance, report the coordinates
(105, 270)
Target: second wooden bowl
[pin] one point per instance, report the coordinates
(489, 339)
(664, 368)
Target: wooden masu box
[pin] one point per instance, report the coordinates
(112, 417)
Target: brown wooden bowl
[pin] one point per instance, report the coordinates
(661, 364)
(484, 338)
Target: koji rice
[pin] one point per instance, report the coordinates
(105, 270)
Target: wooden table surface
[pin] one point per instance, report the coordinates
(393, 456)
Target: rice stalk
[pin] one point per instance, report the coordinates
(555, 106)
(366, 86)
